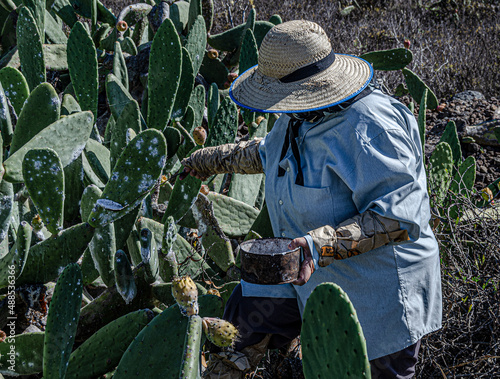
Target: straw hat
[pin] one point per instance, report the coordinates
(298, 72)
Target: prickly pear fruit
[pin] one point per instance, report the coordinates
(185, 293)
(220, 332)
(212, 54)
(204, 189)
(213, 291)
(407, 43)
(199, 135)
(121, 26)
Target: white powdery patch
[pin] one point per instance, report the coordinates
(139, 143)
(153, 151)
(202, 227)
(54, 168)
(162, 161)
(114, 176)
(37, 165)
(109, 205)
(146, 183)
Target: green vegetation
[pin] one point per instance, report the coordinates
(88, 198)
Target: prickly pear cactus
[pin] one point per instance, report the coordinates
(15, 87)
(29, 354)
(417, 87)
(421, 119)
(30, 49)
(104, 349)
(182, 198)
(439, 175)
(120, 66)
(225, 124)
(62, 320)
(192, 348)
(46, 259)
(165, 62)
(185, 294)
(6, 129)
(6, 206)
(149, 255)
(133, 177)
(389, 60)
(450, 136)
(130, 118)
(185, 86)
(220, 332)
(82, 62)
(124, 278)
(41, 109)
(196, 42)
(333, 345)
(44, 177)
(17, 255)
(72, 131)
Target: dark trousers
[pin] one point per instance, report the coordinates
(256, 317)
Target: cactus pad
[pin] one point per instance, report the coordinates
(62, 320)
(132, 178)
(82, 62)
(165, 63)
(333, 345)
(44, 177)
(389, 60)
(72, 131)
(40, 110)
(30, 49)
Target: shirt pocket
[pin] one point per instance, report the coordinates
(313, 207)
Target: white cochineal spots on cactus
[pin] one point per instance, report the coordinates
(202, 227)
(139, 143)
(162, 161)
(55, 168)
(37, 165)
(109, 204)
(146, 183)
(114, 176)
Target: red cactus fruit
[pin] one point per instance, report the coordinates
(121, 26)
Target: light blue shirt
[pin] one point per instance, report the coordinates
(366, 157)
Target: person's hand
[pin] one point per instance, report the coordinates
(307, 266)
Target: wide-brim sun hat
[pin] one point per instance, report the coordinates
(298, 71)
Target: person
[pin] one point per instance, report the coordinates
(345, 179)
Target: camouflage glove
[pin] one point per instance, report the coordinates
(240, 158)
(356, 235)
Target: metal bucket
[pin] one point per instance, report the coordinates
(269, 261)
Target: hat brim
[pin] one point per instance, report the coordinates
(345, 78)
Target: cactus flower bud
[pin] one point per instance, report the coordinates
(204, 189)
(407, 43)
(185, 293)
(441, 107)
(212, 54)
(220, 332)
(227, 85)
(231, 76)
(121, 26)
(3, 336)
(200, 135)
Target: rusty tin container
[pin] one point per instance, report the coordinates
(269, 261)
